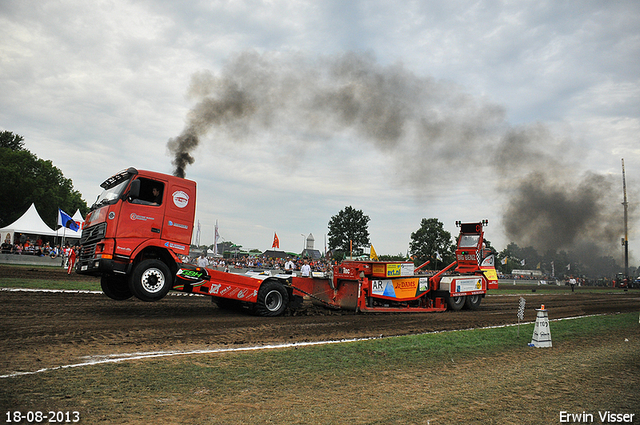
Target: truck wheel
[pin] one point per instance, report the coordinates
(150, 280)
(115, 287)
(473, 302)
(272, 299)
(455, 303)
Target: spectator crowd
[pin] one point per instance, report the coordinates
(290, 264)
(39, 248)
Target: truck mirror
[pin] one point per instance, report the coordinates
(134, 189)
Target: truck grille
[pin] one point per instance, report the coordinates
(90, 238)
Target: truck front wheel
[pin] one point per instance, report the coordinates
(150, 280)
(115, 287)
(272, 299)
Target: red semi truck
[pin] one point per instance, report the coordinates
(139, 231)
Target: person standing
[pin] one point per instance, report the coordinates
(71, 261)
(202, 261)
(305, 270)
(289, 267)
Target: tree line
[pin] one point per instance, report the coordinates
(27, 179)
(348, 233)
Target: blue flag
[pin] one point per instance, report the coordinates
(65, 220)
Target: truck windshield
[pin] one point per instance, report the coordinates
(468, 241)
(111, 194)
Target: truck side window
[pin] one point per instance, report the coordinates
(150, 192)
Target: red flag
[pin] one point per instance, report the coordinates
(276, 241)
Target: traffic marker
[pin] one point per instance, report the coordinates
(541, 333)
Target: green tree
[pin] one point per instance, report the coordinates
(388, 257)
(26, 179)
(11, 141)
(349, 227)
(431, 241)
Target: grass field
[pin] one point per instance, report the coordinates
(52, 284)
(477, 376)
(481, 376)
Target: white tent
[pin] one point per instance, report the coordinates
(30, 223)
(77, 217)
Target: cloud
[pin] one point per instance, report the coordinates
(313, 99)
(101, 86)
(425, 127)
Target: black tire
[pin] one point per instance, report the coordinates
(115, 287)
(455, 303)
(151, 280)
(272, 299)
(472, 302)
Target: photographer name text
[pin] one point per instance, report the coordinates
(605, 417)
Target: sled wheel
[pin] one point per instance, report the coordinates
(272, 299)
(473, 302)
(150, 280)
(115, 287)
(455, 303)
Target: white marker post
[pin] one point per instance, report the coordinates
(520, 313)
(541, 332)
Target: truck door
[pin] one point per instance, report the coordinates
(180, 209)
(142, 216)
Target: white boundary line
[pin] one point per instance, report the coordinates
(70, 291)
(86, 291)
(118, 358)
(184, 294)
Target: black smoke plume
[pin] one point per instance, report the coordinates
(428, 127)
(181, 147)
(549, 215)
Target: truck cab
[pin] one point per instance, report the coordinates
(141, 217)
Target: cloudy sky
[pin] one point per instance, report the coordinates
(458, 110)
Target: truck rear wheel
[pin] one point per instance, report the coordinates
(455, 303)
(473, 302)
(115, 287)
(150, 280)
(272, 299)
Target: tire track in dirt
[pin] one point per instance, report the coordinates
(40, 329)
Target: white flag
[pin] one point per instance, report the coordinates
(215, 239)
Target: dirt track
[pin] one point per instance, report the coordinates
(45, 329)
